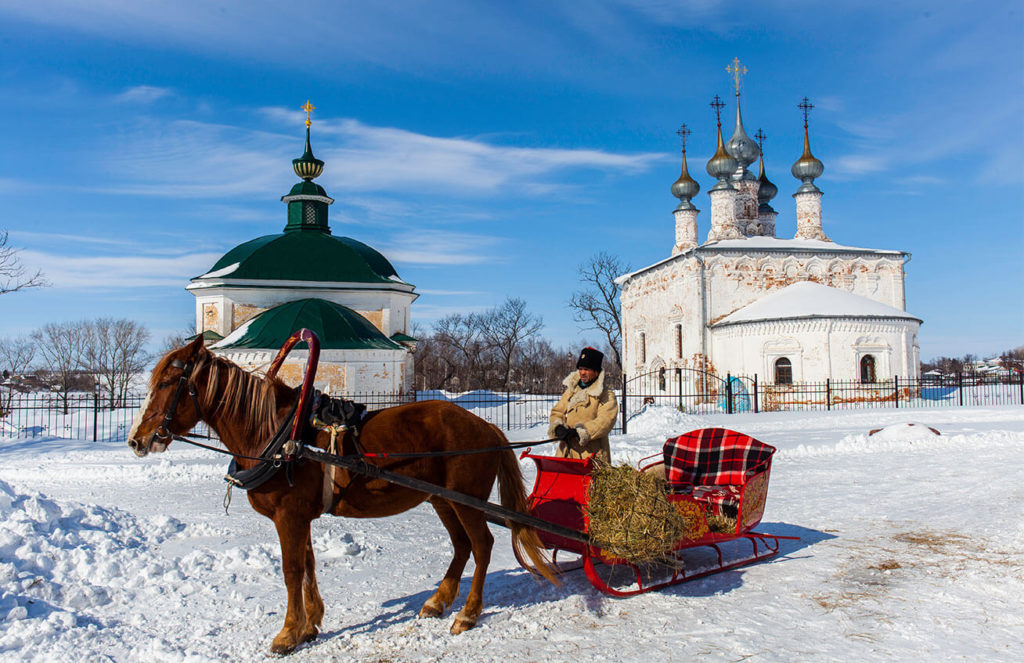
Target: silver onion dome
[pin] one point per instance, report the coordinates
(741, 146)
(766, 190)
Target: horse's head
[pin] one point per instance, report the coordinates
(170, 407)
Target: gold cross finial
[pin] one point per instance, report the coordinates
(309, 108)
(737, 71)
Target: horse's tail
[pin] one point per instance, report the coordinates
(513, 496)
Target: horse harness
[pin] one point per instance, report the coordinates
(333, 415)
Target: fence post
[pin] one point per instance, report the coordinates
(828, 393)
(508, 409)
(728, 392)
(679, 381)
(95, 413)
(624, 402)
(755, 395)
(896, 388)
(1021, 387)
(960, 386)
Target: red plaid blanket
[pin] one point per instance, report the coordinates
(717, 457)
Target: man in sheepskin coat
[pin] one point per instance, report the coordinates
(586, 413)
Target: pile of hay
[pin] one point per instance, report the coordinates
(631, 518)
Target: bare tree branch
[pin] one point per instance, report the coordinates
(12, 273)
(597, 304)
(506, 328)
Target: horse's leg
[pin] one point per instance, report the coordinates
(293, 533)
(449, 587)
(475, 524)
(311, 596)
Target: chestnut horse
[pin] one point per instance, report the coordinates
(245, 411)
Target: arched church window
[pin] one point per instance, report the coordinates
(643, 348)
(661, 378)
(679, 341)
(867, 369)
(783, 371)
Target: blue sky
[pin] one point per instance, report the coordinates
(489, 148)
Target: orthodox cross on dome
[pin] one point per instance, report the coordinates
(806, 107)
(759, 136)
(309, 108)
(683, 132)
(717, 104)
(737, 71)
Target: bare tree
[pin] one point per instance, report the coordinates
(13, 276)
(114, 351)
(62, 348)
(597, 304)
(461, 347)
(16, 356)
(506, 328)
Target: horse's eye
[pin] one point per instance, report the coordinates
(164, 385)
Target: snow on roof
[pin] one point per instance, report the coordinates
(788, 244)
(812, 300)
(223, 271)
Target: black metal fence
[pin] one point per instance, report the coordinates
(699, 392)
(85, 416)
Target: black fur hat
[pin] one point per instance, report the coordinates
(590, 358)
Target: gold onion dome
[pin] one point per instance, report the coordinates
(685, 187)
(807, 167)
(721, 165)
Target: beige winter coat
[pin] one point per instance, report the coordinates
(591, 412)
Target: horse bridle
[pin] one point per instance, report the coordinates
(162, 431)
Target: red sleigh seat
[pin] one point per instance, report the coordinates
(713, 465)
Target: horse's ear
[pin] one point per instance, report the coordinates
(195, 346)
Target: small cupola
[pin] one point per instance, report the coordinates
(307, 201)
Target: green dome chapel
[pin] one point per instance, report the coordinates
(262, 290)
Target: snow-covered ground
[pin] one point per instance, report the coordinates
(912, 548)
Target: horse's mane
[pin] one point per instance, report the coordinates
(235, 393)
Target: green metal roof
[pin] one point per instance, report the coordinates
(338, 327)
(399, 337)
(209, 336)
(305, 256)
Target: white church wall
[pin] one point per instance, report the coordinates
(341, 371)
(818, 349)
(670, 293)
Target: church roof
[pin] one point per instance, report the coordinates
(339, 328)
(812, 300)
(307, 255)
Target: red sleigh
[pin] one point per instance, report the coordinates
(708, 472)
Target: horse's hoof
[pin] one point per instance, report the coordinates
(311, 636)
(431, 609)
(461, 625)
(282, 649)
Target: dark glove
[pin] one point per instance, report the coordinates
(571, 436)
(561, 431)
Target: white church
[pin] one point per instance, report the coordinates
(746, 302)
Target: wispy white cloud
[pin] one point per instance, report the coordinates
(142, 94)
(78, 273)
(186, 158)
(451, 293)
(440, 247)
